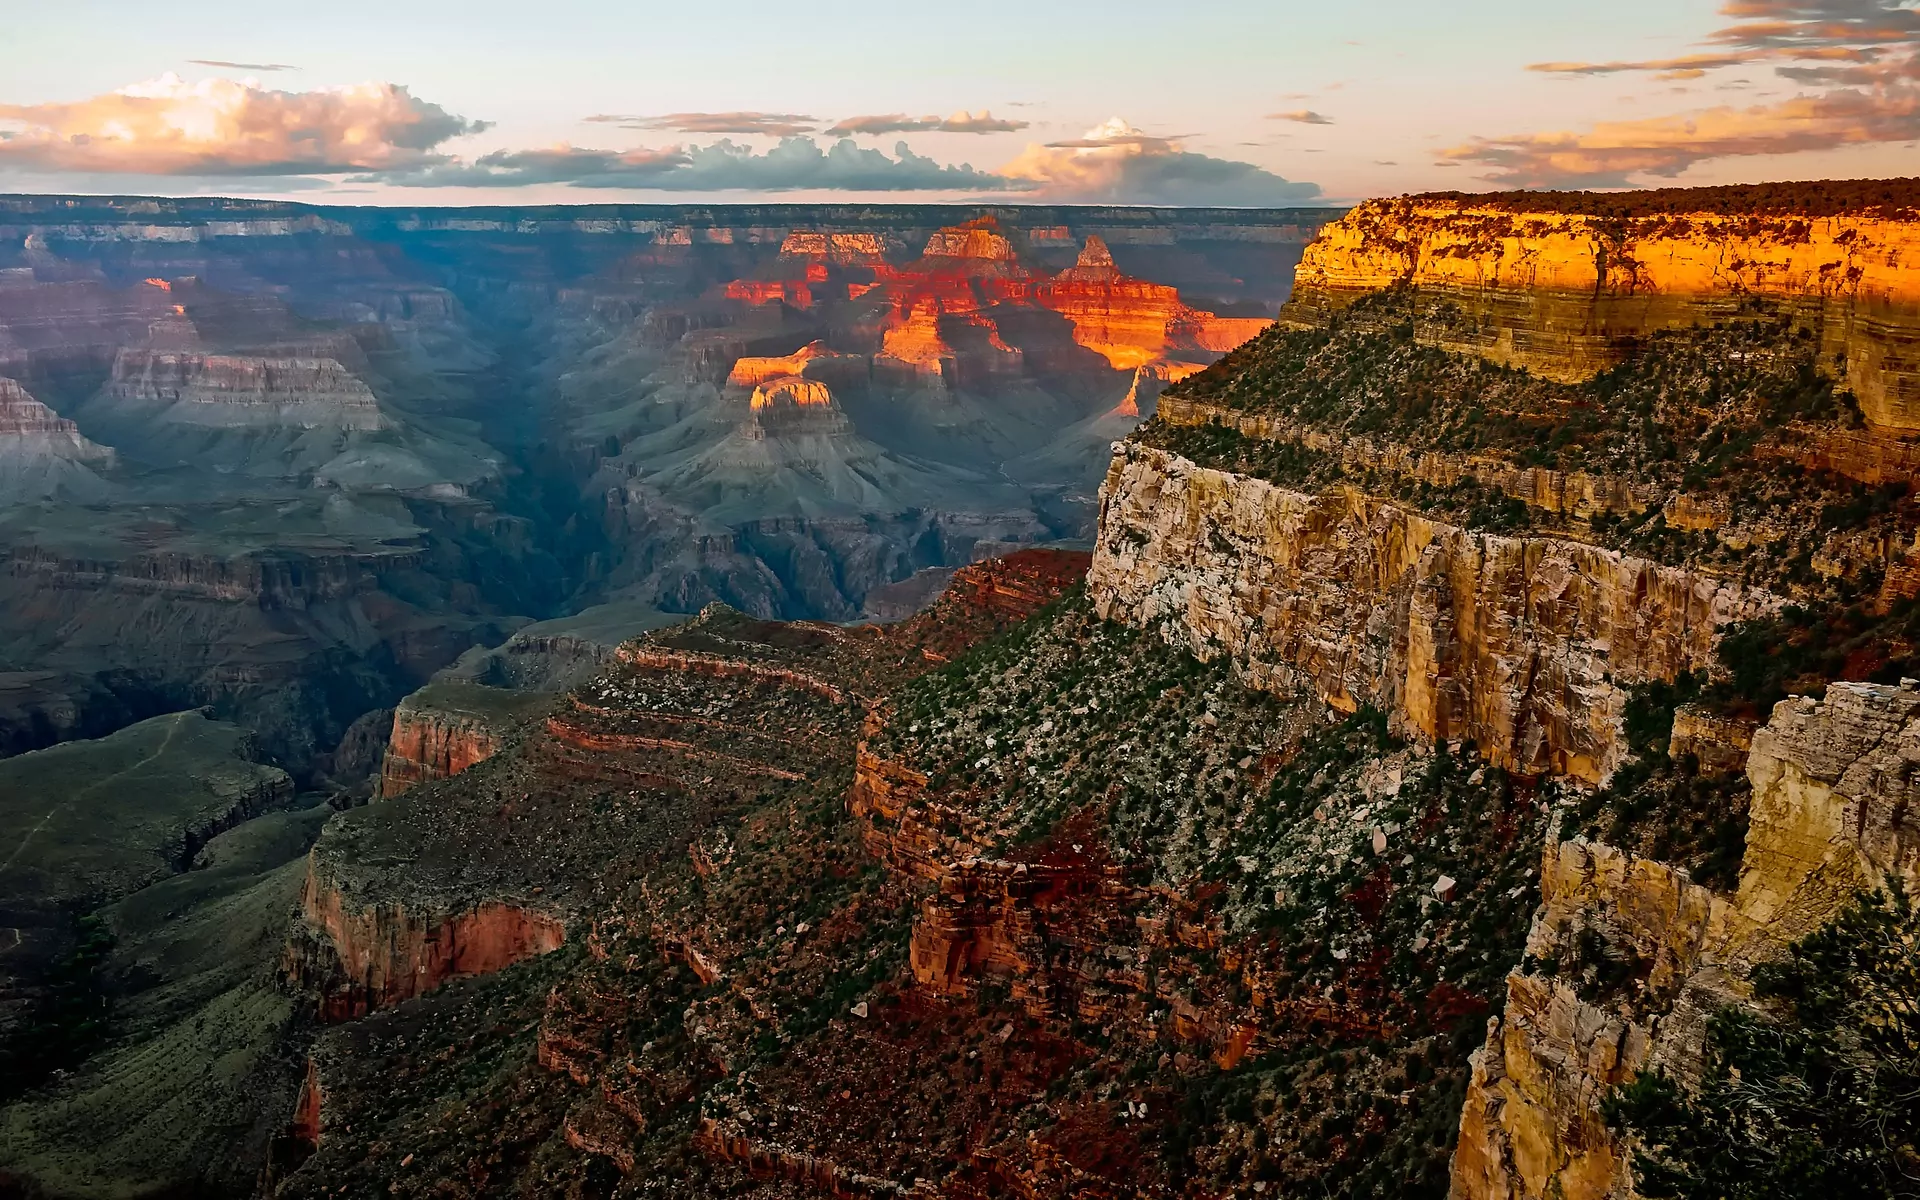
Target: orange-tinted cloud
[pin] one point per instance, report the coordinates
(167, 126)
(1116, 163)
(1301, 116)
(766, 124)
(1686, 62)
(960, 122)
(1866, 53)
(1609, 154)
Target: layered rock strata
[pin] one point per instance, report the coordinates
(1566, 294)
(1525, 646)
(228, 389)
(435, 737)
(44, 456)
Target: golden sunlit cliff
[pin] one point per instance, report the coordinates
(1567, 294)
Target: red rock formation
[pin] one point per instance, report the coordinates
(916, 343)
(791, 391)
(357, 959)
(1131, 321)
(795, 292)
(654, 658)
(308, 1110)
(727, 1142)
(1000, 590)
(574, 734)
(862, 249)
(432, 743)
(978, 239)
(1568, 294)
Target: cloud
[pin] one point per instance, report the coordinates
(240, 66)
(960, 122)
(221, 127)
(796, 164)
(763, 124)
(1686, 62)
(1810, 24)
(1865, 54)
(1609, 154)
(1301, 116)
(1116, 163)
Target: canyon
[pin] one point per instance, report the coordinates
(289, 462)
(1479, 679)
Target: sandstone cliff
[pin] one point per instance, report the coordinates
(226, 389)
(357, 957)
(1567, 295)
(1524, 646)
(442, 730)
(1830, 815)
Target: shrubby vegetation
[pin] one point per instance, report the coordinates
(1322, 846)
(1819, 1098)
(1667, 809)
(1894, 199)
(1709, 418)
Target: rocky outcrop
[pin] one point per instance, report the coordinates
(433, 739)
(230, 390)
(792, 406)
(1133, 322)
(1579, 495)
(1149, 380)
(866, 249)
(1831, 814)
(1524, 646)
(357, 958)
(815, 360)
(979, 239)
(44, 456)
(1567, 294)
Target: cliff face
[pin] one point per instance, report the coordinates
(433, 743)
(356, 958)
(1830, 815)
(1525, 646)
(228, 389)
(1566, 295)
(43, 456)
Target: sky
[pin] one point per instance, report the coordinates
(1229, 102)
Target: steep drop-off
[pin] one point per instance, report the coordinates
(1526, 647)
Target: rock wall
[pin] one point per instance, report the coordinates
(1580, 495)
(1831, 813)
(355, 959)
(43, 456)
(231, 389)
(1565, 295)
(1524, 645)
(430, 742)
